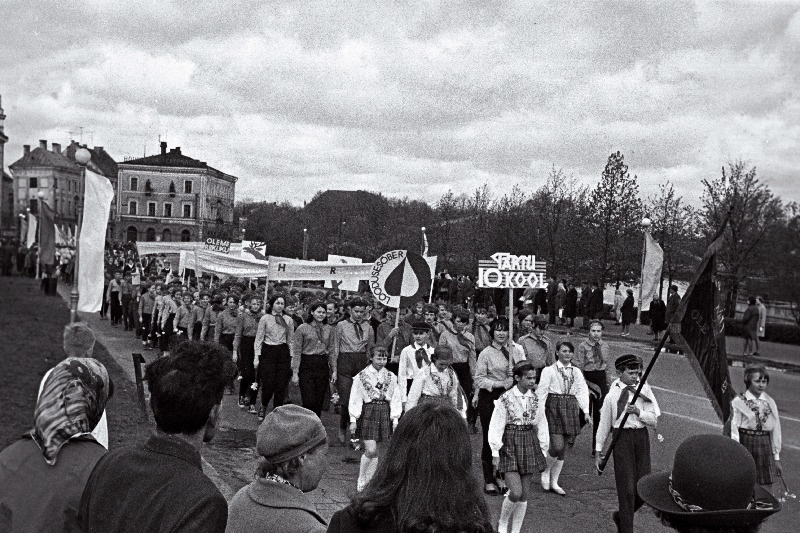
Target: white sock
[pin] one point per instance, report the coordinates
(362, 473)
(506, 512)
(555, 473)
(373, 466)
(546, 473)
(518, 517)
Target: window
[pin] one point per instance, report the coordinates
(134, 184)
(43, 183)
(55, 183)
(187, 186)
(166, 235)
(186, 236)
(132, 234)
(150, 234)
(151, 210)
(187, 210)
(55, 205)
(167, 210)
(133, 207)
(33, 183)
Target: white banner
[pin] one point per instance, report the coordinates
(148, 248)
(97, 206)
(341, 284)
(223, 264)
(285, 269)
(651, 273)
(32, 224)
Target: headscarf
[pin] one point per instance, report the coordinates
(72, 402)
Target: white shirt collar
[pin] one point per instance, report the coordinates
(515, 391)
(750, 396)
(559, 364)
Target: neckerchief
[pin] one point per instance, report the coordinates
(359, 330)
(568, 377)
(422, 355)
(275, 478)
(464, 341)
(282, 322)
(320, 332)
(626, 395)
(761, 416)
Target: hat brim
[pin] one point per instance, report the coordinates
(654, 491)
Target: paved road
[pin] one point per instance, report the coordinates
(591, 498)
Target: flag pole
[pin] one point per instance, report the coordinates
(607, 452)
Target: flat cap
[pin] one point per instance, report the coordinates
(288, 432)
(627, 360)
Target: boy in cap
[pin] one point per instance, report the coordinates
(414, 357)
(293, 445)
(632, 451)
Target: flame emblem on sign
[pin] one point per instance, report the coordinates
(410, 279)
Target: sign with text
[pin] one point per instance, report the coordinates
(342, 284)
(218, 245)
(508, 271)
(285, 269)
(400, 278)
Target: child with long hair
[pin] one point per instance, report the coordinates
(566, 396)
(516, 451)
(273, 353)
(375, 407)
(755, 424)
(425, 483)
(437, 383)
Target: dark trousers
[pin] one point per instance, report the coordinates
(104, 305)
(116, 308)
(246, 356)
(226, 340)
(598, 377)
(485, 409)
(349, 364)
(127, 311)
(196, 330)
(465, 380)
(274, 373)
(631, 463)
(146, 319)
(166, 332)
(314, 378)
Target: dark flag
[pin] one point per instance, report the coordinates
(700, 319)
(47, 235)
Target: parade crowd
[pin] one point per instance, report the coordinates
(409, 391)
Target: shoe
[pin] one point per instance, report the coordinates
(253, 409)
(242, 404)
(491, 489)
(262, 413)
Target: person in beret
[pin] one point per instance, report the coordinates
(711, 488)
(293, 445)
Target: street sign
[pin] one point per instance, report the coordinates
(508, 271)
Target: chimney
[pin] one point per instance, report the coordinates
(2, 115)
(163, 147)
(26, 149)
(43, 144)
(56, 148)
(98, 149)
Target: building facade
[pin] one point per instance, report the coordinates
(9, 226)
(55, 173)
(173, 197)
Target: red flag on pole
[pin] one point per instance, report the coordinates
(47, 235)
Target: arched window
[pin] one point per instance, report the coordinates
(150, 235)
(132, 234)
(186, 236)
(166, 235)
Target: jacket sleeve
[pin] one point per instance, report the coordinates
(297, 349)
(497, 427)
(237, 335)
(416, 392)
(356, 403)
(606, 422)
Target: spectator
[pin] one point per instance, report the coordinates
(658, 316)
(43, 475)
(293, 445)
(762, 317)
(571, 305)
(596, 302)
(159, 486)
(711, 488)
(750, 327)
(628, 310)
(424, 484)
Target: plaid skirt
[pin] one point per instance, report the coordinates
(563, 415)
(444, 400)
(521, 451)
(759, 444)
(375, 423)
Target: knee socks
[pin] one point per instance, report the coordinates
(367, 469)
(512, 514)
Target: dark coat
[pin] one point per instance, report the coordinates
(265, 506)
(157, 486)
(673, 302)
(658, 315)
(344, 522)
(628, 310)
(571, 304)
(37, 497)
(596, 303)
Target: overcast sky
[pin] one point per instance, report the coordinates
(413, 98)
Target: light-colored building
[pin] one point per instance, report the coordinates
(55, 173)
(9, 227)
(173, 197)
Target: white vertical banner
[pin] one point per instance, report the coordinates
(651, 271)
(32, 225)
(96, 209)
(343, 284)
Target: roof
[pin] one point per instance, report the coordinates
(103, 162)
(7, 176)
(39, 157)
(173, 158)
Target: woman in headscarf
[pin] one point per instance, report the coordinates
(42, 475)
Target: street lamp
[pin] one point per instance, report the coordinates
(305, 244)
(82, 157)
(646, 223)
(424, 242)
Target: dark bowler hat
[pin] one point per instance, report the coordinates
(712, 483)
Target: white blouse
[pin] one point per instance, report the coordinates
(408, 368)
(560, 379)
(430, 382)
(370, 385)
(514, 407)
(748, 411)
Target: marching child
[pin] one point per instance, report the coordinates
(516, 452)
(566, 396)
(437, 383)
(756, 426)
(414, 357)
(632, 450)
(375, 407)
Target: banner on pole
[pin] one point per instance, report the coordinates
(91, 248)
(400, 278)
(285, 269)
(175, 247)
(508, 271)
(218, 245)
(254, 250)
(342, 284)
(651, 273)
(223, 264)
(47, 235)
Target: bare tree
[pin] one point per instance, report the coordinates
(754, 212)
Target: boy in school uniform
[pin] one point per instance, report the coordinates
(632, 451)
(414, 357)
